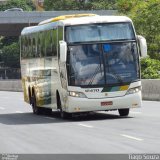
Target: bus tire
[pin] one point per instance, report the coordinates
(48, 111)
(63, 114)
(29, 96)
(123, 112)
(35, 108)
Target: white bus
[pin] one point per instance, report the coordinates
(82, 63)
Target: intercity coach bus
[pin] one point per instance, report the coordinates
(82, 63)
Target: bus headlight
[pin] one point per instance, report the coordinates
(77, 94)
(134, 90)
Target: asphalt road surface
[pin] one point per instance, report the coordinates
(103, 132)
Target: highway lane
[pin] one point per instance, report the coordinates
(102, 132)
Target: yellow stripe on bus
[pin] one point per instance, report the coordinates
(66, 17)
(123, 88)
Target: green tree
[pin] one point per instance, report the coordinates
(59, 4)
(146, 17)
(9, 48)
(5, 41)
(125, 6)
(79, 4)
(103, 4)
(10, 56)
(150, 68)
(26, 5)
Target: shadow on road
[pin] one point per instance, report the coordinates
(30, 118)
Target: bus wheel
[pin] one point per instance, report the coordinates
(35, 108)
(63, 114)
(48, 111)
(123, 112)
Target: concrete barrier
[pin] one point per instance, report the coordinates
(150, 88)
(11, 85)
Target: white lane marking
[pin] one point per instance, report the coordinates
(131, 137)
(84, 125)
(136, 112)
(49, 118)
(19, 112)
(2, 108)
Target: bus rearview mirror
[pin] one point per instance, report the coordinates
(142, 46)
(63, 51)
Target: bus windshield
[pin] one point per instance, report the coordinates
(99, 32)
(103, 64)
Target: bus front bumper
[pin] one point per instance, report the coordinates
(75, 104)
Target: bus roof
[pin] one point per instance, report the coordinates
(64, 17)
(76, 20)
(95, 19)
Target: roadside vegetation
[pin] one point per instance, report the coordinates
(144, 13)
(9, 46)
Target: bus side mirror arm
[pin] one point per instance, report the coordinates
(142, 46)
(63, 51)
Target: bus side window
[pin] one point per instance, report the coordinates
(38, 46)
(32, 53)
(34, 47)
(60, 37)
(60, 33)
(54, 42)
(27, 47)
(30, 47)
(43, 48)
(48, 42)
(22, 46)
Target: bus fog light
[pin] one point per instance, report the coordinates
(77, 94)
(134, 90)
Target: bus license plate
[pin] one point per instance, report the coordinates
(108, 103)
